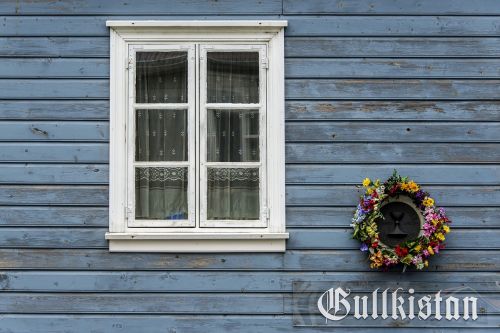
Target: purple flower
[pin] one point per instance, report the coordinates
(364, 247)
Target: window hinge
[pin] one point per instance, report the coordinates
(129, 64)
(128, 211)
(265, 63)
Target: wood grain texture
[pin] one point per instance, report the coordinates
(391, 89)
(54, 68)
(383, 68)
(97, 282)
(211, 324)
(367, 47)
(53, 195)
(54, 152)
(296, 260)
(336, 195)
(137, 7)
(54, 89)
(53, 216)
(54, 131)
(389, 7)
(312, 217)
(392, 153)
(14, 173)
(54, 109)
(92, 47)
(318, 238)
(369, 131)
(393, 110)
(440, 174)
(299, 26)
(397, 26)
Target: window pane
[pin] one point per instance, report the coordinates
(233, 77)
(233, 194)
(161, 77)
(233, 136)
(161, 135)
(161, 193)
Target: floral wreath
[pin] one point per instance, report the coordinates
(411, 253)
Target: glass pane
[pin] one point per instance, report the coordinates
(161, 135)
(161, 193)
(233, 136)
(233, 77)
(233, 194)
(161, 77)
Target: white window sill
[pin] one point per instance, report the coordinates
(199, 242)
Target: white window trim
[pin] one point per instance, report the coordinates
(122, 237)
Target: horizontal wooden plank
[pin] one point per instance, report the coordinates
(219, 324)
(53, 195)
(444, 26)
(335, 195)
(295, 152)
(73, 259)
(294, 68)
(54, 131)
(82, 281)
(478, 174)
(296, 260)
(53, 216)
(311, 217)
(54, 47)
(366, 47)
(370, 131)
(318, 238)
(337, 239)
(54, 174)
(95, 26)
(54, 68)
(137, 7)
(296, 216)
(54, 152)
(373, 68)
(300, 195)
(54, 89)
(393, 110)
(391, 89)
(209, 303)
(55, 109)
(392, 153)
(388, 7)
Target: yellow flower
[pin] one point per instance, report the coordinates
(430, 250)
(413, 186)
(405, 187)
(377, 183)
(440, 236)
(428, 202)
(366, 182)
(446, 229)
(426, 263)
(418, 248)
(376, 259)
(434, 222)
(369, 190)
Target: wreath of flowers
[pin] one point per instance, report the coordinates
(411, 253)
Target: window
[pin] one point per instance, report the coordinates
(197, 136)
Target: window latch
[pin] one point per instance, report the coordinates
(265, 63)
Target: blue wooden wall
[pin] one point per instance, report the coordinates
(370, 86)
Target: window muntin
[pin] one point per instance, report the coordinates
(161, 136)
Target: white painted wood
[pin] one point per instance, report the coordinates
(197, 246)
(178, 34)
(254, 24)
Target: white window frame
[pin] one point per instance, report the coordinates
(268, 234)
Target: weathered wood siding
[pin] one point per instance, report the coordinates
(371, 86)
